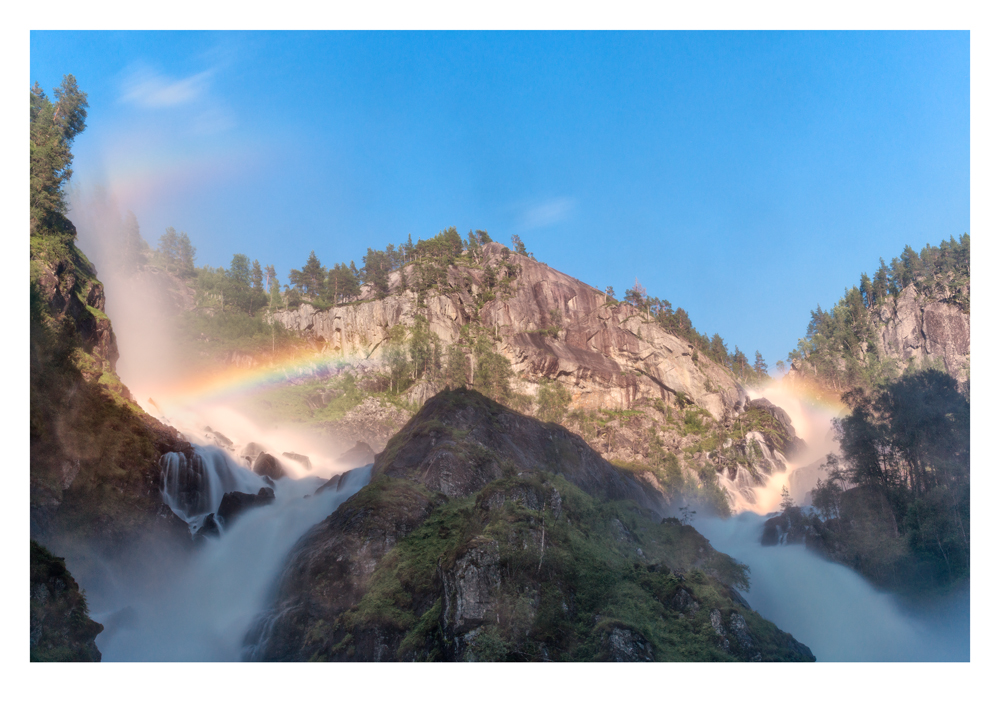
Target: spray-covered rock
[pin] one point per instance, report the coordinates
(267, 465)
(235, 503)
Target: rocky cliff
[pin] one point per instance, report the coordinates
(94, 471)
(550, 326)
(915, 328)
(61, 628)
(488, 535)
(913, 314)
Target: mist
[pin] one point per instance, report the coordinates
(825, 605)
(140, 304)
(832, 609)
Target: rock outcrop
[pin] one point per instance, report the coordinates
(479, 537)
(920, 327)
(550, 327)
(235, 503)
(61, 628)
(372, 422)
(267, 465)
(360, 454)
(915, 327)
(94, 475)
(783, 438)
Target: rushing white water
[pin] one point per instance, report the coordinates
(201, 612)
(832, 609)
(826, 605)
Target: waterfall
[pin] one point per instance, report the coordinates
(832, 609)
(825, 605)
(202, 611)
(194, 489)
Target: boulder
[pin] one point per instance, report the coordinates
(621, 644)
(209, 527)
(360, 454)
(235, 503)
(267, 465)
(250, 453)
(302, 460)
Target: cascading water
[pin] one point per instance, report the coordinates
(194, 489)
(203, 611)
(825, 605)
(831, 608)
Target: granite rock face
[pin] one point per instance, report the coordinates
(550, 326)
(914, 327)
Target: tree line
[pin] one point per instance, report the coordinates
(342, 283)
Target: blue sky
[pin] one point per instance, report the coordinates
(746, 177)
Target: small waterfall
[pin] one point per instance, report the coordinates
(193, 489)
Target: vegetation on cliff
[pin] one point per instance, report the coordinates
(487, 535)
(895, 503)
(841, 345)
(94, 474)
(61, 627)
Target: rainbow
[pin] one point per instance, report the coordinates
(225, 385)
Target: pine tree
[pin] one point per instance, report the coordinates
(786, 499)
(185, 256)
(53, 128)
(257, 276)
(759, 366)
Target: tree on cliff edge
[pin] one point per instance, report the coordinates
(54, 126)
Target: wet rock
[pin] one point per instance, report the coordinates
(336, 482)
(218, 439)
(268, 466)
(235, 503)
(250, 452)
(302, 460)
(361, 454)
(209, 527)
(772, 535)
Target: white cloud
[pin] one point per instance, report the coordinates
(149, 89)
(548, 213)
